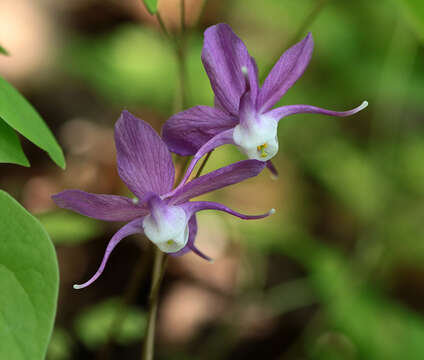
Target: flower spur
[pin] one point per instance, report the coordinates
(242, 115)
(165, 216)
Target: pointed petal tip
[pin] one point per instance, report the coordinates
(363, 105)
(202, 255)
(77, 287)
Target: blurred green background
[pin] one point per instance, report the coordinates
(337, 273)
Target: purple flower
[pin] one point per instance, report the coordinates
(243, 113)
(165, 216)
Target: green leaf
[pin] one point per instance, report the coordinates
(3, 51)
(10, 147)
(151, 5)
(19, 114)
(28, 281)
(414, 13)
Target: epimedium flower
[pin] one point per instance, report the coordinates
(243, 113)
(164, 215)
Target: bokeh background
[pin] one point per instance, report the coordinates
(337, 273)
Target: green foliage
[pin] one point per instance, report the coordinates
(28, 281)
(10, 147)
(138, 77)
(69, 228)
(381, 329)
(22, 117)
(351, 176)
(3, 51)
(414, 13)
(95, 325)
(151, 6)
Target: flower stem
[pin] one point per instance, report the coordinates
(130, 293)
(181, 47)
(201, 12)
(202, 166)
(159, 264)
(159, 267)
(162, 25)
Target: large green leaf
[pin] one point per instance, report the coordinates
(28, 282)
(414, 13)
(10, 147)
(22, 117)
(151, 5)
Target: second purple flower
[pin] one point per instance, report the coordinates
(243, 113)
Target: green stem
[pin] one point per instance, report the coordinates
(159, 264)
(201, 12)
(159, 267)
(130, 293)
(202, 166)
(162, 25)
(180, 48)
(182, 16)
(181, 58)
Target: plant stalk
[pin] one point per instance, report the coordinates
(159, 266)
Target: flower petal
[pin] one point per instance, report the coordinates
(224, 55)
(217, 179)
(272, 169)
(285, 73)
(225, 137)
(192, 226)
(187, 131)
(283, 111)
(193, 207)
(144, 161)
(133, 227)
(192, 229)
(99, 206)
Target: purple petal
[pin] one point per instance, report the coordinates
(144, 161)
(217, 179)
(134, 227)
(192, 226)
(224, 55)
(272, 169)
(225, 137)
(285, 73)
(283, 111)
(195, 206)
(187, 131)
(247, 110)
(98, 206)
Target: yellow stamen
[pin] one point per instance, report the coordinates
(261, 149)
(170, 242)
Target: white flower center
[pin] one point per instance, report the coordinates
(167, 227)
(257, 138)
